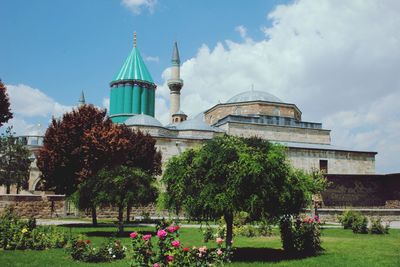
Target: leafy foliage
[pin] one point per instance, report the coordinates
(302, 236)
(16, 233)
(122, 186)
(83, 250)
(348, 218)
(231, 174)
(378, 228)
(5, 111)
(360, 225)
(14, 162)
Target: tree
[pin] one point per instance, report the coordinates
(230, 174)
(62, 161)
(122, 186)
(85, 141)
(5, 112)
(14, 162)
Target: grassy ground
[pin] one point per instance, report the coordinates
(342, 248)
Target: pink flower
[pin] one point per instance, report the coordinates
(133, 235)
(146, 237)
(170, 258)
(203, 249)
(186, 249)
(161, 234)
(156, 265)
(219, 252)
(171, 229)
(177, 227)
(176, 243)
(219, 240)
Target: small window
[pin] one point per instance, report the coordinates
(323, 165)
(277, 111)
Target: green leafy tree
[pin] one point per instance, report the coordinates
(5, 112)
(14, 162)
(230, 174)
(122, 186)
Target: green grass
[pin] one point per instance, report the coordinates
(342, 248)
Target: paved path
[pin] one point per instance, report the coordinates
(393, 224)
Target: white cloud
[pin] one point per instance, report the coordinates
(242, 31)
(106, 103)
(31, 102)
(337, 61)
(136, 6)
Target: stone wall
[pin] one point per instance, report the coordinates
(339, 162)
(363, 191)
(38, 206)
(263, 108)
(279, 133)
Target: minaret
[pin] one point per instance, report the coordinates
(175, 83)
(81, 100)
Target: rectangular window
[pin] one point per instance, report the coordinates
(323, 165)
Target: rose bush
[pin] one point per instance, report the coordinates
(170, 251)
(83, 250)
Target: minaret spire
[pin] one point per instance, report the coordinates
(134, 39)
(81, 100)
(175, 83)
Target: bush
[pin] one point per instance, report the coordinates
(245, 230)
(83, 250)
(16, 233)
(170, 251)
(378, 228)
(304, 236)
(348, 217)
(264, 229)
(360, 225)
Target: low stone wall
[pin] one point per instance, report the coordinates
(38, 206)
(112, 212)
(387, 215)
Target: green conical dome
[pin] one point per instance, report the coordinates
(134, 68)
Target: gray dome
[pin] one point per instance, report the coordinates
(36, 130)
(254, 96)
(144, 120)
(196, 124)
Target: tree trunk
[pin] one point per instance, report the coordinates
(128, 213)
(120, 219)
(94, 215)
(229, 229)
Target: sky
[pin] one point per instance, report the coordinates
(338, 61)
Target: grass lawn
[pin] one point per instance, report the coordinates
(342, 248)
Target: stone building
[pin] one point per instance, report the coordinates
(251, 113)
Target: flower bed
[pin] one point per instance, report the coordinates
(170, 251)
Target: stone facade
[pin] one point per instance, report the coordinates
(339, 162)
(220, 111)
(278, 133)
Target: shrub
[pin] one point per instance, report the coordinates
(304, 236)
(16, 233)
(264, 229)
(348, 217)
(378, 228)
(83, 250)
(170, 251)
(360, 225)
(245, 230)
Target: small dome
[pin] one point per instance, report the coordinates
(196, 124)
(144, 120)
(179, 112)
(254, 96)
(36, 130)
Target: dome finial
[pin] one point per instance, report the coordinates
(134, 39)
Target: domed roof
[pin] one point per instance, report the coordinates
(36, 130)
(196, 124)
(254, 96)
(144, 120)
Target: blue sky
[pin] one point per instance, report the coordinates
(338, 61)
(63, 47)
